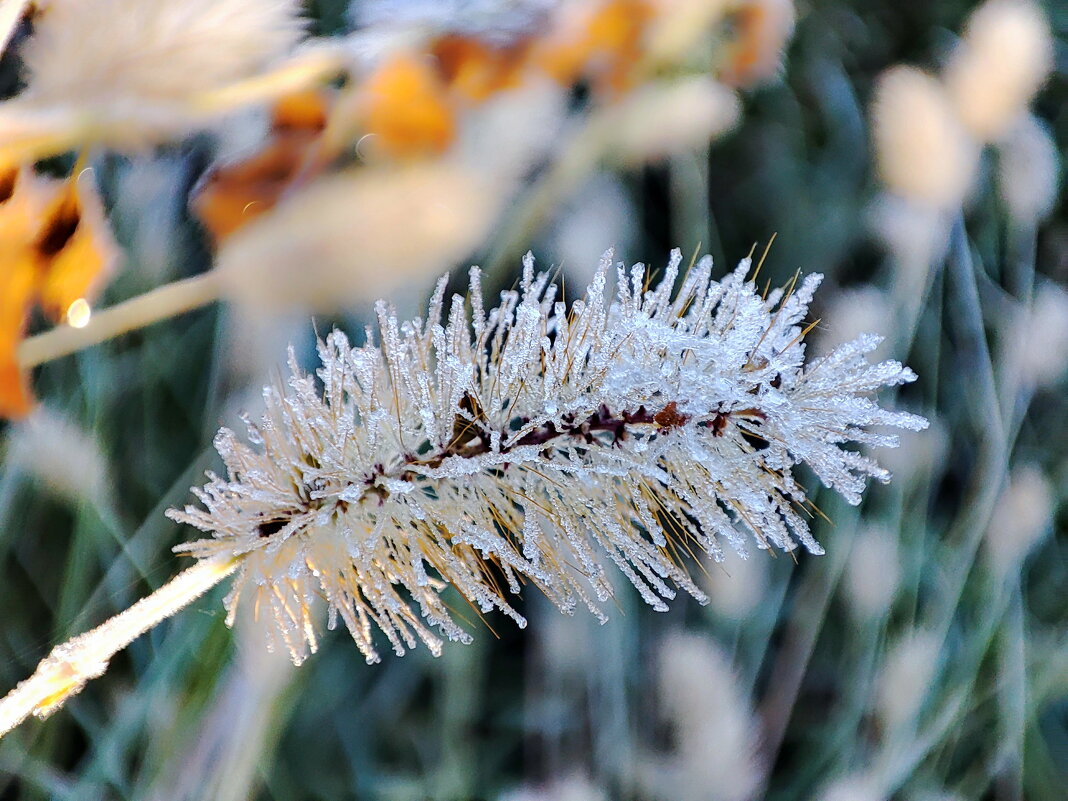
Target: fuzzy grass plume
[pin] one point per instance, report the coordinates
(533, 443)
(528, 444)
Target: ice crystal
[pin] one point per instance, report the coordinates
(534, 444)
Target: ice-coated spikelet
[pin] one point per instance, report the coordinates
(535, 444)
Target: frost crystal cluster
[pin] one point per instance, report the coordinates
(533, 444)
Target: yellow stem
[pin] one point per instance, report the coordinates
(69, 666)
(158, 304)
(306, 69)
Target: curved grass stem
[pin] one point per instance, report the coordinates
(158, 304)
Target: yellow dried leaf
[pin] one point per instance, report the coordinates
(232, 195)
(19, 207)
(407, 109)
(74, 246)
(55, 249)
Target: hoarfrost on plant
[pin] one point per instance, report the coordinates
(532, 444)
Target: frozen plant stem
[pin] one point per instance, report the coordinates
(69, 666)
(158, 304)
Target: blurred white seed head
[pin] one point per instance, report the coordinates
(1002, 61)
(852, 312)
(1022, 517)
(905, 678)
(575, 787)
(667, 117)
(855, 787)
(715, 732)
(736, 585)
(601, 211)
(158, 51)
(922, 153)
(357, 234)
(936, 796)
(916, 236)
(1028, 171)
(58, 453)
(873, 573)
(678, 26)
(1036, 344)
(512, 131)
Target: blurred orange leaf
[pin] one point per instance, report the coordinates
(232, 195)
(406, 107)
(475, 70)
(598, 41)
(762, 28)
(55, 249)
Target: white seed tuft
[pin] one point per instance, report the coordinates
(535, 444)
(873, 573)
(64, 457)
(1002, 61)
(158, 51)
(1036, 344)
(906, 677)
(921, 150)
(1028, 171)
(715, 758)
(1022, 517)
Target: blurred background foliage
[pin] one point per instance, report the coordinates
(569, 710)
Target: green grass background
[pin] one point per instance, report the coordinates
(193, 710)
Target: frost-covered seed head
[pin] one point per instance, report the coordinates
(533, 443)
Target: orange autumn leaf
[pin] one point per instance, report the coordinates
(602, 42)
(405, 105)
(475, 70)
(74, 248)
(232, 195)
(20, 212)
(16, 290)
(762, 29)
(55, 248)
(305, 111)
